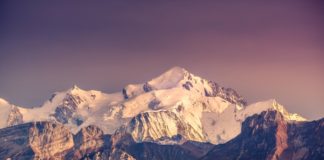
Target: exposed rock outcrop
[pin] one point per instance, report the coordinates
(162, 125)
(14, 142)
(39, 140)
(90, 142)
(268, 136)
(14, 117)
(50, 140)
(67, 111)
(227, 93)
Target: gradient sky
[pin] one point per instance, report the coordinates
(264, 50)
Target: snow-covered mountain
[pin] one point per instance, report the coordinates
(171, 108)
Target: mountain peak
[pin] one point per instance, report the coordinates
(75, 87)
(170, 78)
(177, 69)
(3, 101)
(273, 105)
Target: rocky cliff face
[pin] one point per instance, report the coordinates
(90, 142)
(66, 112)
(226, 93)
(269, 136)
(50, 140)
(47, 140)
(14, 142)
(305, 141)
(150, 126)
(39, 140)
(14, 117)
(124, 146)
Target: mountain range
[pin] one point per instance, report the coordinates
(176, 115)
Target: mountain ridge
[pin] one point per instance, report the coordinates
(187, 105)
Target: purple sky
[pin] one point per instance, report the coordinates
(264, 50)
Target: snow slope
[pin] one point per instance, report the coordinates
(171, 108)
(5, 108)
